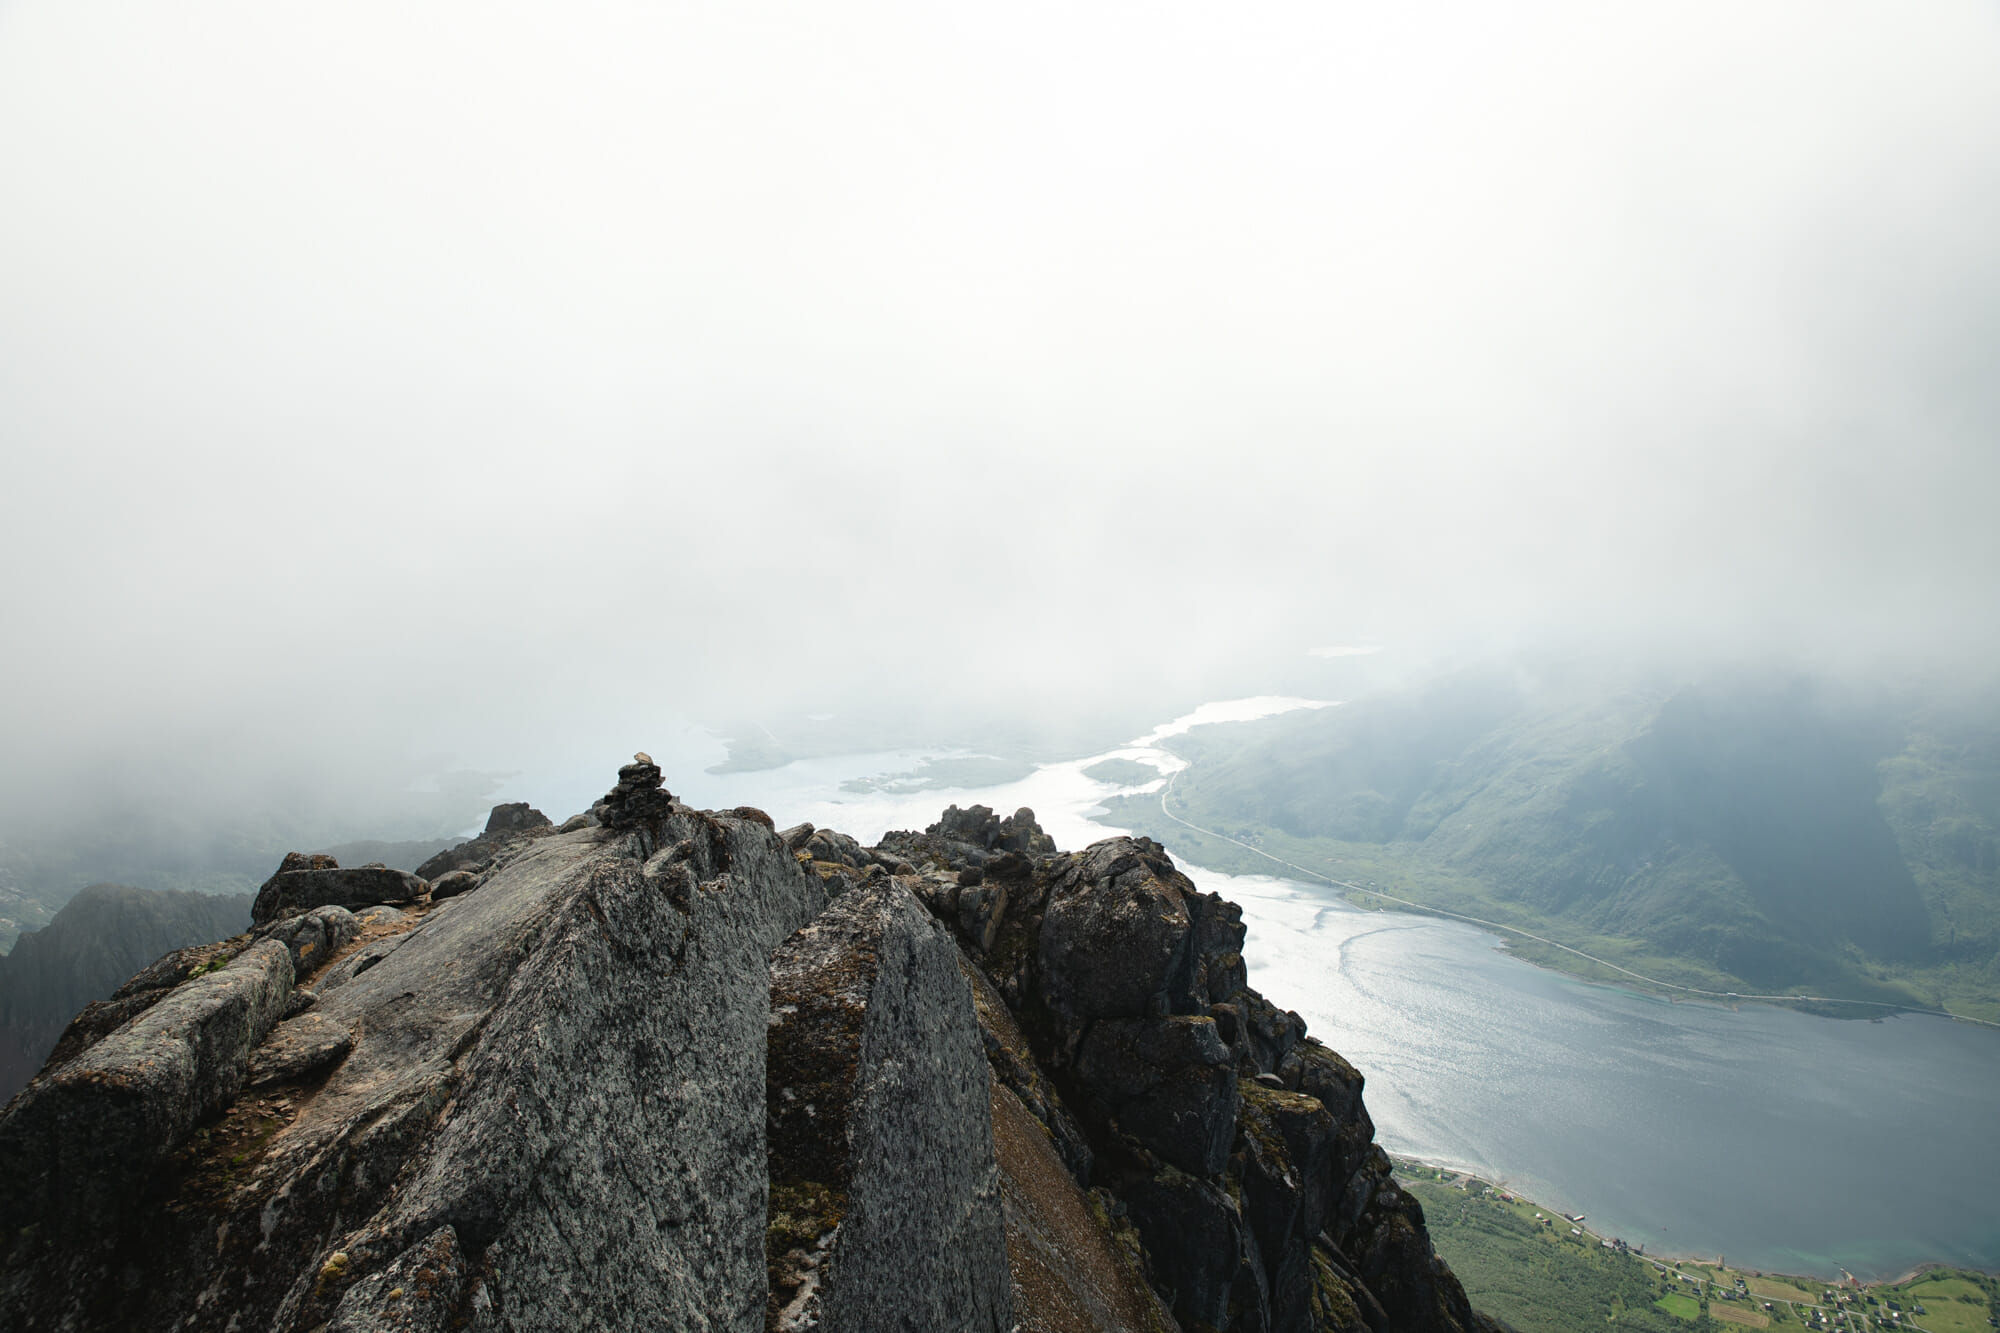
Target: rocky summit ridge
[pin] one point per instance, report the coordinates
(660, 1067)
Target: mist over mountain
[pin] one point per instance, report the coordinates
(1781, 829)
(477, 394)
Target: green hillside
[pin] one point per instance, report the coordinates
(1745, 834)
(1539, 1273)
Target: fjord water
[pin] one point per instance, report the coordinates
(1780, 1140)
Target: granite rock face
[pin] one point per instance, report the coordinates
(885, 1199)
(564, 1071)
(1236, 1145)
(672, 1068)
(506, 826)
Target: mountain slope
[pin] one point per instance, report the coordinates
(1768, 833)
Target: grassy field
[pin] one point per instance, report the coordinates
(1529, 1266)
(1735, 1314)
(1951, 1304)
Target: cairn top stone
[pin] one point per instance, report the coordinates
(640, 795)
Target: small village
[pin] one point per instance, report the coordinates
(1933, 1301)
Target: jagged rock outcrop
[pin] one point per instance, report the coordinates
(1237, 1146)
(885, 1201)
(564, 1069)
(971, 837)
(506, 826)
(669, 1068)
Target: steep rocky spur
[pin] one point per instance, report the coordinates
(659, 1067)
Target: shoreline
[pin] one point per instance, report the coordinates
(1399, 1160)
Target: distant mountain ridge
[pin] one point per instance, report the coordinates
(99, 938)
(1773, 830)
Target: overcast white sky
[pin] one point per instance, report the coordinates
(458, 375)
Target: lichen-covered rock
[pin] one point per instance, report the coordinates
(313, 937)
(1114, 935)
(1239, 1147)
(418, 1292)
(78, 1139)
(885, 1204)
(147, 987)
(1010, 1087)
(973, 838)
(1011, 1059)
(289, 892)
(566, 1069)
(1195, 1238)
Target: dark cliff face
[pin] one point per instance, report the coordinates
(99, 938)
(667, 1068)
(1237, 1146)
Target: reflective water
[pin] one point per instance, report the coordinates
(1776, 1139)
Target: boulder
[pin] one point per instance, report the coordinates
(297, 1048)
(838, 848)
(313, 937)
(1114, 933)
(452, 883)
(289, 892)
(980, 907)
(885, 1203)
(514, 817)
